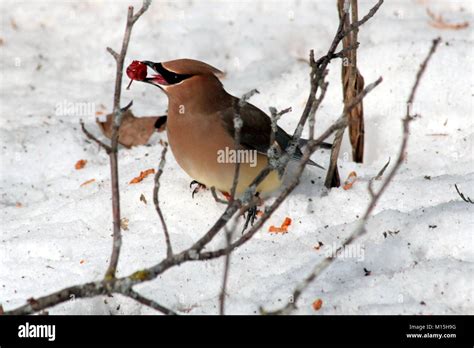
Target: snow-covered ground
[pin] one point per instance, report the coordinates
(55, 233)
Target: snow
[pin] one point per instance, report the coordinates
(60, 235)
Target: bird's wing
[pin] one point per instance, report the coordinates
(256, 129)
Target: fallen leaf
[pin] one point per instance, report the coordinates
(82, 261)
(282, 229)
(142, 176)
(438, 22)
(317, 304)
(351, 179)
(143, 199)
(273, 229)
(18, 205)
(80, 164)
(133, 131)
(87, 182)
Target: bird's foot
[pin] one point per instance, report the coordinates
(252, 212)
(250, 218)
(199, 187)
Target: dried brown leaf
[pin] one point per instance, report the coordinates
(134, 131)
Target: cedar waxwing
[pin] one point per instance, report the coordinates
(200, 128)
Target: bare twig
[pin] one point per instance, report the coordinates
(238, 123)
(464, 198)
(377, 177)
(228, 237)
(343, 53)
(380, 173)
(273, 152)
(169, 250)
(117, 120)
(148, 302)
(94, 139)
(361, 229)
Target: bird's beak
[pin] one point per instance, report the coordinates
(156, 78)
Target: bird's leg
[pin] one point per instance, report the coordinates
(251, 217)
(252, 211)
(198, 187)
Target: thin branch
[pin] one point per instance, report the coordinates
(94, 139)
(352, 84)
(113, 53)
(156, 188)
(116, 121)
(228, 237)
(464, 198)
(146, 4)
(377, 177)
(369, 15)
(343, 53)
(273, 152)
(275, 116)
(238, 123)
(380, 173)
(148, 302)
(312, 113)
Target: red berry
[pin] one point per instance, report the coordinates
(137, 71)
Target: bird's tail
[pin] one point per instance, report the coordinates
(323, 145)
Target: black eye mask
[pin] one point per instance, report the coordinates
(170, 77)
